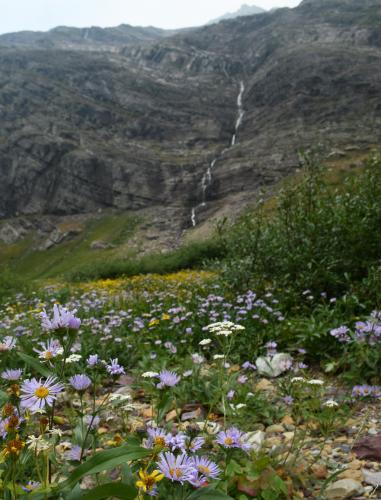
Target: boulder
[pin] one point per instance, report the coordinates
(273, 366)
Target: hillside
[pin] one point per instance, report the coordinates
(179, 128)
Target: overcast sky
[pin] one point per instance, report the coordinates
(17, 15)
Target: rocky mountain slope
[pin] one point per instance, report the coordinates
(244, 10)
(183, 126)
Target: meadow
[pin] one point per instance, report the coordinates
(257, 376)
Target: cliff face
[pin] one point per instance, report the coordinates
(135, 123)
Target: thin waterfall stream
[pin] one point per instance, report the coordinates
(206, 179)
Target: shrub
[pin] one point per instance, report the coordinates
(319, 237)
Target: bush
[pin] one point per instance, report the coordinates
(319, 237)
(190, 256)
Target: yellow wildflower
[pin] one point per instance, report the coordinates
(148, 481)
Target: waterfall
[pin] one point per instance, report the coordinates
(206, 179)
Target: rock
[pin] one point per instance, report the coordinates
(273, 366)
(276, 429)
(320, 471)
(372, 478)
(368, 448)
(287, 420)
(344, 488)
(256, 439)
(101, 245)
(357, 475)
(288, 436)
(265, 385)
(191, 414)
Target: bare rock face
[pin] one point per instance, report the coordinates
(131, 118)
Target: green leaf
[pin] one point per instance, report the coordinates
(208, 494)
(35, 364)
(115, 490)
(102, 461)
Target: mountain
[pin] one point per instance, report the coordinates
(185, 127)
(244, 10)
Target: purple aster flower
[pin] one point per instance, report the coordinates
(32, 485)
(288, 400)
(114, 368)
(74, 454)
(62, 318)
(341, 334)
(167, 379)
(92, 421)
(50, 349)
(362, 391)
(206, 467)
(80, 382)
(233, 438)
(92, 360)
(247, 365)
(158, 437)
(196, 444)
(178, 468)
(12, 375)
(177, 442)
(230, 395)
(271, 348)
(7, 344)
(242, 379)
(35, 394)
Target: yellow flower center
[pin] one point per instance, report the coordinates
(41, 392)
(159, 441)
(48, 355)
(203, 469)
(176, 472)
(228, 441)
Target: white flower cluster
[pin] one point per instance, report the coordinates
(305, 381)
(225, 328)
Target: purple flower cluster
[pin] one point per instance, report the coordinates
(365, 331)
(62, 319)
(183, 468)
(233, 438)
(362, 391)
(167, 379)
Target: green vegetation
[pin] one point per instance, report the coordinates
(319, 237)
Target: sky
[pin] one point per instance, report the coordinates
(42, 15)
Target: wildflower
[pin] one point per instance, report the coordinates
(315, 382)
(341, 334)
(36, 393)
(288, 400)
(14, 447)
(150, 374)
(158, 437)
(218, 356)
(233, 438)
(148, 481)
(331, 403)
(74, 454)
(225, 328)
(196, 444)
(7, 344)
(205, 341)
(114, 368)
(177, 468)
(80, 382)
(11, 375)
(206, 467)
(92, 360)
(37, 444)
(92, 421)
(188, 373)
(197, 358)
(271, 348)
(246, 365)
(50, 349)
(62, 318)
(167, 379)
(366, 390)
(242, 379)
(230, 395)
(32, 485)
(177, 442)
(73, 358)
(295, 380)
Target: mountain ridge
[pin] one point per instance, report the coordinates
(137, 127)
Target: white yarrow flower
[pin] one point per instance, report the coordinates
(205, 342)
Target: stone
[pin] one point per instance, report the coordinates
(101, 245)
(372, 478)
(273, 366)
(357, 475)
(275, 428)
(256, 439)
(344, 488)
(368, 448)
(319, 471)
(265, 385)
